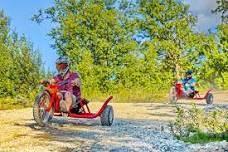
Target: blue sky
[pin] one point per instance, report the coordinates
(21, 11)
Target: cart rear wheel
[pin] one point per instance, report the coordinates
(209, 99)
(172, 95)
(39, 108)
(107, 116)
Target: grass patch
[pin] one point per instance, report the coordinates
(201, 137)
(14, 103)
(129, 96)
(9, 106)
(123, 96)
(195, 125)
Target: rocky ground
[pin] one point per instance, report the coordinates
(137, 127)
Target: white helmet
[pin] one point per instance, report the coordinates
(62, 65)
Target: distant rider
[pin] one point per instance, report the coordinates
(189, 84)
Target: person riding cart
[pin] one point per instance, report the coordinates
(70, 92)
(61, 96)
(189, 84)
(185, 88)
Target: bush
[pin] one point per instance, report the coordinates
(197, 126)
(21, 68)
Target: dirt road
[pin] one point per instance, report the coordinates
(137, 127)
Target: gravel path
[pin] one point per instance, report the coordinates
(137, 127)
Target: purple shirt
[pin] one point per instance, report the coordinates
(68, 86)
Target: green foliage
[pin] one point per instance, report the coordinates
(201, 137)
(197, 126)
(20, 66)
(98, 36)
(222, 9)
(98, 40)
(133, 50)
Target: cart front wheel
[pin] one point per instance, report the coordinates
(209, 99)
(172, 95)
(39, 108)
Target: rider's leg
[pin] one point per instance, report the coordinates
(68, 99)
(63, 107)
(189, 92)
(75, 101)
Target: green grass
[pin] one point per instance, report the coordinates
(123, 96)
(192, 125)
(201, 137)
(12, 103)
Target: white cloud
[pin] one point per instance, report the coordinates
(202, 9)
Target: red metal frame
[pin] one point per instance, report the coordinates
(198, 97)
(180, 93)
(85, 113)
(90, 115)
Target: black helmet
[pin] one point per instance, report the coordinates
(189, 72)
(62, 65)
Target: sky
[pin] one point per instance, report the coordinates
(21, 11)
(202, 9)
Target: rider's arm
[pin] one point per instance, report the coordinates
(193, 82)
(183, 81)
(55, 79)
(76, 80)
(52, 81)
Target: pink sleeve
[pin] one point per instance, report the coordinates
(75, 76)
(56, 78)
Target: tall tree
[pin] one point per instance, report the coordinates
(20, 64)
(90, 26)
(223, 9)
(169, 26)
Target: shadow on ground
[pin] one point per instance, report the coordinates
(89, 135)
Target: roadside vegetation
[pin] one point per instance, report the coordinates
(197, 125)
(20, 67)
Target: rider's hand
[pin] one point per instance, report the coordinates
(52, 81)
(76, 82)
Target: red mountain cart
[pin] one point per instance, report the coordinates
(176, 93)
(47, 105)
